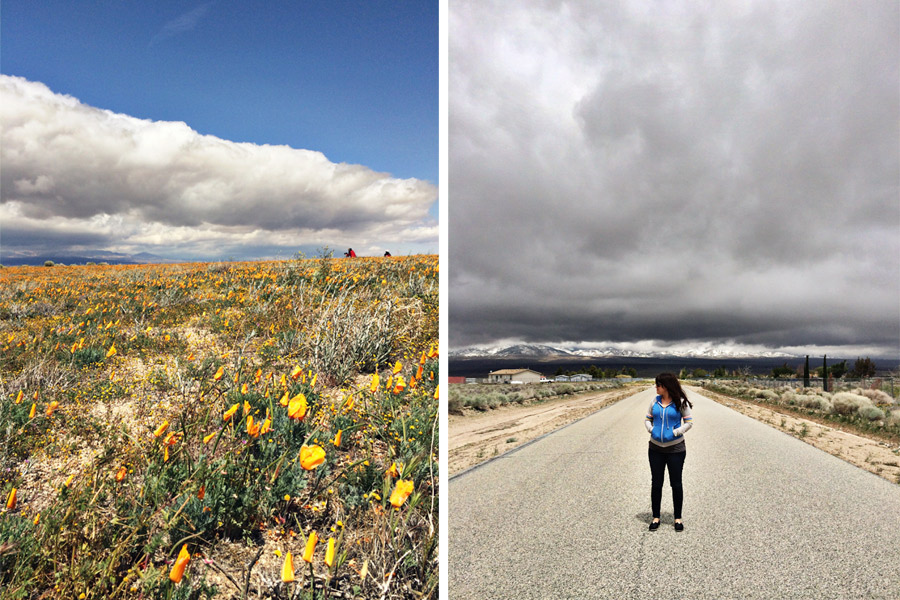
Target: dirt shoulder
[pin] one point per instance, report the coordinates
(476, 436)
(876, 456)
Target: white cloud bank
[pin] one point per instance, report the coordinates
(73, 177)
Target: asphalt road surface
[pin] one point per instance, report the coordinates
(766, 516)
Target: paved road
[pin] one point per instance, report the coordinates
(766, 516)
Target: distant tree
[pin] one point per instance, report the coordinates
(783, 371)
(825, 372)
(683, 373)
(49, 263)
(863, 367)
(559, 371)
(806, 373)
(698, 373)
(720, 372)
(838, 370)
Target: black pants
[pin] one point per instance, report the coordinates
(658, 463)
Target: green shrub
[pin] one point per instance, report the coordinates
(872, 413)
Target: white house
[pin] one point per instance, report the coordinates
(514, 375)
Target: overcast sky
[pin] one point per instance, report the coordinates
(659, 174)
(203, 131)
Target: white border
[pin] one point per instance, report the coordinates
(443, 195)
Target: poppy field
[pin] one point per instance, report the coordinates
(220, 430)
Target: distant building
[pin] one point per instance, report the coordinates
(514, 375)
(577, 377)
(456, 379)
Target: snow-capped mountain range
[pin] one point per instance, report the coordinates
(545, 351)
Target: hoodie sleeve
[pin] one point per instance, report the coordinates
(648, 420)
(687, 420)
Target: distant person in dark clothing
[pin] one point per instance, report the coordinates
(386, 253)
(350, 253)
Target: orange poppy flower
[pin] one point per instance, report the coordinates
(297, 407)
(32, 411)
(265, 427)
(311, 457)
(401, 492)
(329, 552)
(252, 430)
(19, 397)
(295, 372)
(201, 492)
(374, 385)
(310, 547)
(398, 367)
(287, 569)
(120, 475)
(395, 470)
(181, 563)
(112, 351)
(207, 438)
(230, 412)
(219, 374)
(337, 438)
(11, 500)
(436, 390)
(399, 384)
(52, 408)
(161, 429)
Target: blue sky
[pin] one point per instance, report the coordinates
(356, 82)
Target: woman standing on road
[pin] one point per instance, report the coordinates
(668, 417)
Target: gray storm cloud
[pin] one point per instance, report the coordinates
(675, 171)
(67, 166)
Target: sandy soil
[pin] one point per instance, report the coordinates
(478, 436)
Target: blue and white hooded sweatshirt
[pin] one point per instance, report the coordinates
(665, 424)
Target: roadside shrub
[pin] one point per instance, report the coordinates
(769, 395)
(846, 403)
(872, 413)
(876, 396)
(49, 263)
(815, 401)
(893, 417)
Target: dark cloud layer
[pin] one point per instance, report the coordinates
(74, 175)
(726, 172)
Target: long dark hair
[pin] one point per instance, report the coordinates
(670, 382)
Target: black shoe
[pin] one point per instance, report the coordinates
(654, 525)
(679, 526)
